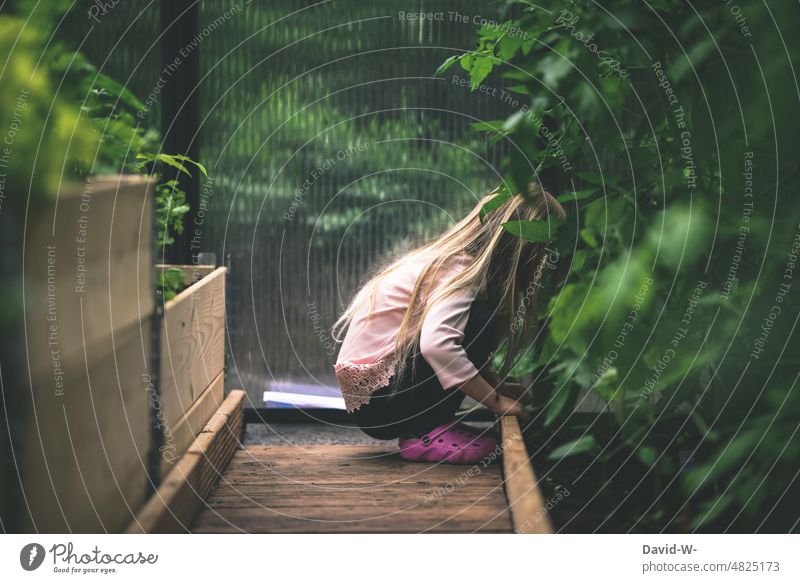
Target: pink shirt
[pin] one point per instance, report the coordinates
(365, 362)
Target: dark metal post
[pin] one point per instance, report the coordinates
(179, 120)
(14, 386)
(180, 113)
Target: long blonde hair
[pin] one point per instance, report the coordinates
(504, 268)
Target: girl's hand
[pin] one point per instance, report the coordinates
(508, 406)
(516, 391)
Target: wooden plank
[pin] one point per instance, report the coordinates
(175, 503)
(369, 499)
(351, 488)
(420, 518)
(499, 525)
(88, 301)
(260, 521)
(178, 438)
(88, 268)
(227, 487)
(375, 464)
(87, 447)
(528, 512)
(192, 344)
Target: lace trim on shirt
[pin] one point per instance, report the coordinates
(359, 381)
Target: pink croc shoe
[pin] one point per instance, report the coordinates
(453, 443)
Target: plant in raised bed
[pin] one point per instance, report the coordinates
(676, 265)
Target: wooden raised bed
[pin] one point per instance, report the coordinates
(88, 281)
(85, 422)
(192, 359)
(173, 507)
(528, 509)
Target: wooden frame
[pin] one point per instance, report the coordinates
(192, 358)
(525, 500)
(173, 507)
(88, 288)
(86, 413)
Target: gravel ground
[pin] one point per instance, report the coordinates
(312, 433)
(306, 434)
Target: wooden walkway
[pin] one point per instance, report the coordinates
(351, 488)
(361, 488)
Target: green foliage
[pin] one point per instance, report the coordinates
(68, 120)
(169, 282)
(44, 138)
(171, 203)
(503, 194)
(580, 445)
(177, 161)
(170, 208)
(657, 127)
(540, 231)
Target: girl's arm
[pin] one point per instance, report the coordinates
(500, 405)
(440, 343)
(508, 387)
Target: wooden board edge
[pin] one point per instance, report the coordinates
(173, 507)
(106, 183)
(525, 501)
(178, 437)
(209, 279)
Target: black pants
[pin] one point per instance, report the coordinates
(416, 402)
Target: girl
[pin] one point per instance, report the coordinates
(421, 333)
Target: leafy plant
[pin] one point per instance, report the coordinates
(126, 145)
(169, 282)
(171, 203)
(91, 126)
(171, 207)
(45, 137)
(646, 120)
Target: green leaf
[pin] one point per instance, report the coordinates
(607, 386)
(480, 69)
(508, 47)
(593, 177)
(578, 195)
(173, 160)
(490, 32)
(183, 158)
(580, 445)
(520, 89)
(513, 121)
(702, 426)
(497, 201)
(449, 62)
(578, 260)
(647, 455)
(540, 231)
(170, 282)
(557, 404)
(589, 238)
(116, 89)
(712, 509)
(528, 43)
(489, 126)
(168, 160)
(730, 456)
(692, 59)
